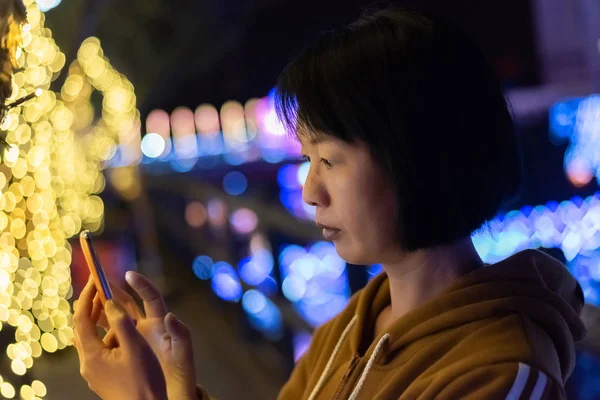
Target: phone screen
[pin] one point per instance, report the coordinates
(100, 279)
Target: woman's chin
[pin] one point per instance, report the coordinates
(352, 255)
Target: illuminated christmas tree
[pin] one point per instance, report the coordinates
(50, 179)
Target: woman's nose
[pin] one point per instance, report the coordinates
(314, 192)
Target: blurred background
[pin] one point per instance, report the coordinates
(156, 131)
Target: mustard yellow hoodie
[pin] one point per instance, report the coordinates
(505, 331)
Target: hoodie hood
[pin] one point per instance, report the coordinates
(530, 283)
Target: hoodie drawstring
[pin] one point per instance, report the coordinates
(370, 363)
(329, 365)
(336, 350)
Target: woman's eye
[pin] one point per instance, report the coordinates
(327, 163)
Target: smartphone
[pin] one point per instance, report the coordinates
(93, 262)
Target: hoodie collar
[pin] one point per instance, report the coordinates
(526, 282)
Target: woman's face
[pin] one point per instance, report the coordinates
(355, 197)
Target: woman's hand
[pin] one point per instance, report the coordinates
(130, 370)
(168, 337)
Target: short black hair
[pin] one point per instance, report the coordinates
(422, 96)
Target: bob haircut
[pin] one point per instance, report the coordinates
(422, 97)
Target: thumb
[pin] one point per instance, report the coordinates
(181, 338)
(122, 325)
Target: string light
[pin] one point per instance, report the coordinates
(50, 179)
(238, 133)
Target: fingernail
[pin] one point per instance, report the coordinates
(109, 306)
(173, 318)
(129, 276)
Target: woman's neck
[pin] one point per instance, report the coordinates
(418, 277)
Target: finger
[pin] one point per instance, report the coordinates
(154, 304)
(74, 341)
(121, 295)
(123, 326)
(181, 339)
(128, 302)
(103, 321)
(97, 308)
(77, 347)
(85, 328)
(110, 339)
(98, 314)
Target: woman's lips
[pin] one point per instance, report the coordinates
(329, 232)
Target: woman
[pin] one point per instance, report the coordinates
(411, 149)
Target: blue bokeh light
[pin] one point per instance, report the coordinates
(254, 301)
(235, 183)
(375, 270)
(315, 280)
(225, 282)
(571, 225)
(301, 343)
(203, 267)
(268, 286)
(255, 269)
(292, 200)
(303, 173)
(153, 145)
(47, 5)
(294, 288)
(287, 176)
(576, 121)
(586, 268)
(273, 155)
(263, 314)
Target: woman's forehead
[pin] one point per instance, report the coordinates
(308, 137)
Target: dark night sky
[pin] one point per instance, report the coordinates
(187, 52)
(274, 34)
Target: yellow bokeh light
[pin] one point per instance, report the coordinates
(3, 312)
(73, 85)
(18, 366)
(7, 390)
(89, 48)
(95, 67)
(4, 280)
(49, 342)
(36, 348)
(9, 201)
(18, 228)
(24, 323)
(39, 388)
(58, 63)
(34, 203)
(19, 169)
(28, 185)
(11, 155)
(3, 221)
(49, 181)
(17, 189)
(27, 392)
